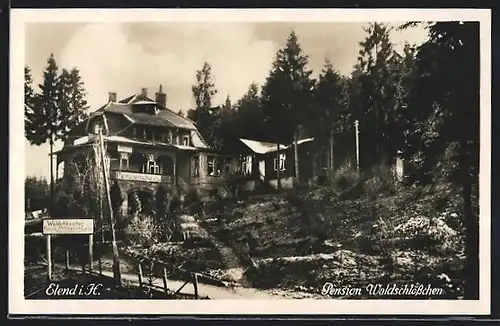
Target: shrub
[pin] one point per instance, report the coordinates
(233, 182)
(379, 180)
(343, 178)
(37, 194)
(193, 202)
(145, 231)
(175, 204)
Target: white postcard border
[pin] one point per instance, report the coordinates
(17, 303)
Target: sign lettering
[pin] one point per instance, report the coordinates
(124, 149)
(68, 226)
(142, 177)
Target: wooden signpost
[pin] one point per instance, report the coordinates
(67, 226)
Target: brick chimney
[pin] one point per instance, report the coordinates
(144, 92)
(112, 97)
(161, 98)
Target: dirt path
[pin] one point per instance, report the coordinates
(234, 265)
(212, 291)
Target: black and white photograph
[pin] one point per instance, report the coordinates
(295, 161)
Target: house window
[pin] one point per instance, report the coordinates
(185, 140)
(97, 128)
(281, 163)
(144, 134)
(134, 132)
(246, 165)
(176, 140)
(153, 136)
(124, 161)
(196, 166)
(212, 168)
(169, 137)
(151, 166)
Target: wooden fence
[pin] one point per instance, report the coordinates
(147, 277)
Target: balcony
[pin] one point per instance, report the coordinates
(144, 177)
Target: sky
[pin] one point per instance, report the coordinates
(125, 57)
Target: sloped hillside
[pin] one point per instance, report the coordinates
(363, 233)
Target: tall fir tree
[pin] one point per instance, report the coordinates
(48, 105)
(249, 116)
(286, 96)
(444, 108)
(204, 115)
(330, 108)
(31, 115)
(376, 95)
(77, 105)
(55, 110)
(64, 98)
(225, 128)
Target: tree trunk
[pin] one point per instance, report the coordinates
(331, 164)
(278, 172)
(296, 154)
(471, 290)
(356, 126)
(314, 166)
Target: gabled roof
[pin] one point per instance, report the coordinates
(260, 147)
(164, 117)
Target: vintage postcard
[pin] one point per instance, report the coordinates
(250, 162)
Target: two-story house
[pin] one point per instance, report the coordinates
(147, 146)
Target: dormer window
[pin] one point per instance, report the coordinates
(97, 128)
(185, 140)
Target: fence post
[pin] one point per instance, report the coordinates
(91, 253)
(67, 259)
(49, 256)
(140, 275)
(195, 284)
(165, 282)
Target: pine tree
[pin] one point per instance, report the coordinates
(225, 134)
(330, 107)
(286, 96)
(31, 114)
(64, 99)
(77, 105)
(444, 107)
(204, 115)
(47, 106)
(58, 108)
(204, 89)
(376, 92)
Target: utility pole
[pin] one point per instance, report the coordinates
(116, 257)
(356, 126)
